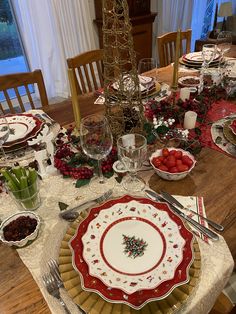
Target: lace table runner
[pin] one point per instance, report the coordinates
(217, 262)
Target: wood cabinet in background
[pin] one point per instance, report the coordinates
(141, 19)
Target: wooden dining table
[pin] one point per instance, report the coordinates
(213, 178)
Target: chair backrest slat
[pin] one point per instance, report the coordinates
(19, 99)
(1, 107)
(88, 65)
(6, 95)
(93, 76)
(29, 96)
(166, 46)
(100, 71)
(13, 81)
(83, 87)
(88, 80)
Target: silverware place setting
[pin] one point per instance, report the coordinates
(177, 210)
(53, 282)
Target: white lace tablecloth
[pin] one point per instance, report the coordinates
(216, 259)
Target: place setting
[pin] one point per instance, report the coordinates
(223, 134)
(23, 128)
(121, 211)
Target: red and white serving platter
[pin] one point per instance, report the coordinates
(132, 250)
(22, 128)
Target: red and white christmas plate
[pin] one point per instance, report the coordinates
(132, 250)
(22, 128)
(232, 126)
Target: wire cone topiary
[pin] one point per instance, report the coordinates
(124, 109)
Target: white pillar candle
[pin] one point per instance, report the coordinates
(184, 93)
(190, 119)
(128, 140)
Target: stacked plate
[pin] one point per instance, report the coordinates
(147, 85)
(132, 250)
(23, 127)
(195, 60)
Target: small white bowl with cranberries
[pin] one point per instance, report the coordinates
(20, 229)
(172, 163)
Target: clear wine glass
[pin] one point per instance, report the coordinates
(96, 141)
(208, 54)
(224, 43)
(147, 81)
(4, 132)
(132, 152)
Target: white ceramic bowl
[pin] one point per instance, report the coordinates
(26, 240)
(168, 175)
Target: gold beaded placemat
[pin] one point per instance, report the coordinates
(92, 303)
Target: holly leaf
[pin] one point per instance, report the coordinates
(92, 163)
(62, 206)
(81, 182)
(147, 127)
(162, 129)
(198, 131)
(108, 174)
(119, 179)
(151, 139)
(218, 140)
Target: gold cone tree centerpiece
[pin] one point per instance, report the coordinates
(124, 109)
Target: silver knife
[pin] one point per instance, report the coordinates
(175, 202)
(209, 233)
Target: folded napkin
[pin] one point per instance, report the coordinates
(196, 204)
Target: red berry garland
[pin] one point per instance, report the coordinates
(72, 162)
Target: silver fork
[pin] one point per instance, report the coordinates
(52, 288)
(72, 213)
(54, 271)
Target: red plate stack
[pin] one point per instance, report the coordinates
(23, 127)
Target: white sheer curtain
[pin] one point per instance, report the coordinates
(52, 31)
(172, 14)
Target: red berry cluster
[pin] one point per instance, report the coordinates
(64, 151)
(108, 162)
(74, 172)
(70, 163)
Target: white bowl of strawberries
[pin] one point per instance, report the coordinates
(172, 163)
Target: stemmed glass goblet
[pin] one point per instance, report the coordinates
(147, 65)
(96, 141)
(208, 54)
(4, 132)
(132, 152)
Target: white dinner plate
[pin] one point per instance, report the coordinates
(20, 126)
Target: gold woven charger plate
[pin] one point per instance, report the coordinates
(228, 134)
(92, 303)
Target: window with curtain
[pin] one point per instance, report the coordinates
(52, 31)
(12, 54)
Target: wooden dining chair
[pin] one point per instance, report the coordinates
(166, 46)
(87, 69)
(23, 81)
